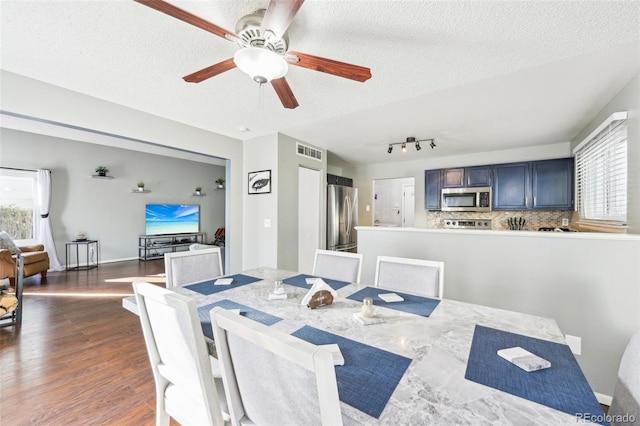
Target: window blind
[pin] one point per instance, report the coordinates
(601, 174)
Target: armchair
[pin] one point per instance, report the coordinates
(35, 258)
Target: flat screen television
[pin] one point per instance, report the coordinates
(172, 219)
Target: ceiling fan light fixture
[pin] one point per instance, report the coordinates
(390, 149)
(262, 65)
(404, 147)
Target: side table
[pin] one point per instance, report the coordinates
(91, 247)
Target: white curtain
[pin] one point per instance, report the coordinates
(44, 235)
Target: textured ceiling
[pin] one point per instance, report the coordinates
(476, 76)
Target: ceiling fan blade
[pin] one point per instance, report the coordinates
(211, 71)
(278, 17)
(284, 93)
(341, 69)
(189, 18)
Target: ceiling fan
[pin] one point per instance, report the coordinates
(262, 37)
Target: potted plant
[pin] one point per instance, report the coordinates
(198, 190)
(102, 170)
(220, 183)
(140, 186)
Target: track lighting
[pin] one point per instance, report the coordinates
(412, 140)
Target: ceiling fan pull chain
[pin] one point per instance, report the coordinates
(261, 96)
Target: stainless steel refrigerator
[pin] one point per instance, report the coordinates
(342, 218)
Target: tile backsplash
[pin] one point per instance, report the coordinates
(534, 218)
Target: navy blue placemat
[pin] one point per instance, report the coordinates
(369, 375)
(254, 314)
(418, 305)
(300, 281)
(561, 386)
(207, 287)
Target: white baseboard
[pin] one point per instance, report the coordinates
(603, 399)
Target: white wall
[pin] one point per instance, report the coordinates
(288, 163)
(38, 100)
(106, 210)
(588, 283)
(261, 244)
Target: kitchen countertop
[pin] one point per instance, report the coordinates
(522, 234)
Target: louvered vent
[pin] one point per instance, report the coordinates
(309, 152)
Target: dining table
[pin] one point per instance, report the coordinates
(421, 360)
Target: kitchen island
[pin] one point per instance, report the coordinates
(588, 282)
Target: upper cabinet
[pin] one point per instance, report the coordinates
(466, 177)
(432, 189)
(538, 185)
(552, 184)
(453, 178)
(511, 186)
(478, 176)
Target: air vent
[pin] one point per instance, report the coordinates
(309, 152)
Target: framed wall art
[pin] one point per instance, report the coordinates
(260, 182)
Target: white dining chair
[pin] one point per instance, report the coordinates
(626, 394)
(188, 267)
(273, 378)
(338, 265)
(412, 276)
(184, 373)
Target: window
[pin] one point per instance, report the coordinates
(17, 202)
(601, 173)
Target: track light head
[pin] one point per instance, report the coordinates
(413, 140)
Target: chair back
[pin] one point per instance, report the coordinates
(188, 267)
(626, 395)
(338, 265)
(412, 276)
(271, 377)
(185, 386)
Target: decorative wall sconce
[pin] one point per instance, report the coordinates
(403, 145)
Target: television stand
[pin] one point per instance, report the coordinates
(155, 246)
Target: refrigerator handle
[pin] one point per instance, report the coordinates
(347, 222)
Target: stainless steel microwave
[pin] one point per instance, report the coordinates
(466, 199)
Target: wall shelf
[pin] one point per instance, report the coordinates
(136, 191)
(202, 194)
(101, 177)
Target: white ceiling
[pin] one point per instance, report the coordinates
(476, 76)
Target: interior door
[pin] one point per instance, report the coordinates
(309, 195)
(408, 205)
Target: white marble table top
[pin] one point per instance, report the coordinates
(433, 390)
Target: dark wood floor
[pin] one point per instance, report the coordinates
(78, 358)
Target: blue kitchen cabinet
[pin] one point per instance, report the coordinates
(433, 187)
(453, 178)
(552, 184)
(512, 186)
(478, 176)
